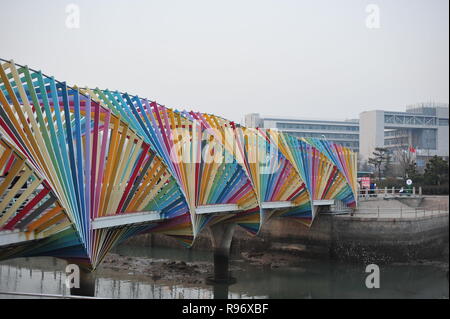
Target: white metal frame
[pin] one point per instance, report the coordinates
(126, 219)
(219, 208)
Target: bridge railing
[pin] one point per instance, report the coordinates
(400, 212)
(389, 192)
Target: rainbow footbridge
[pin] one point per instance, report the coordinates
(83, 169)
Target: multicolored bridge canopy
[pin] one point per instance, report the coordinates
(84, 169)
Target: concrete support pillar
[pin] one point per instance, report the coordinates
(221, 236)
(87, 284)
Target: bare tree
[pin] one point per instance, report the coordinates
(380, 155)
(406, 160)
(362, 164)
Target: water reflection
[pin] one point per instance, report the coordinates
(15, 278)
(27, 279)
(313, 279)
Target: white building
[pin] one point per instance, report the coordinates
(424, 127)
(345, 133)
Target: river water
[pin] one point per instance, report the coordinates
(311, 279)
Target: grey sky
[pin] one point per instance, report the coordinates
(280, 57)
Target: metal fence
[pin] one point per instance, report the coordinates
(400, 212)
(389, 192)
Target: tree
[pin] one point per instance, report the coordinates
(388, 167)
(362, 164)
(380, 155)
(411, 170)
(407, 163)
(436, 171)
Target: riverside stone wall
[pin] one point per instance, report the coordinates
(340, 237)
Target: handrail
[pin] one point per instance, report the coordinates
(400, 212)
(364, 193)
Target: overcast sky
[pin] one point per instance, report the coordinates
(314, 58)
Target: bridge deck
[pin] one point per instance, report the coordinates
(323, 202)
(8, 237)
(217, 208)
(126, 219)
(275, 205)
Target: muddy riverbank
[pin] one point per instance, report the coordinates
(169, 271)
(158, 270)
(192, 269)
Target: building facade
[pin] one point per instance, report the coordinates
(345, 133)
(421, 129)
